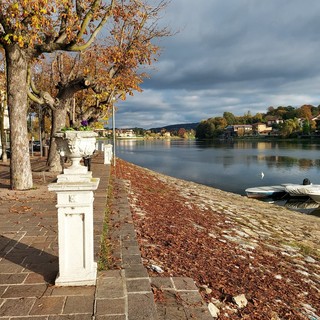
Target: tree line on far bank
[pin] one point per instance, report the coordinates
(286, 121)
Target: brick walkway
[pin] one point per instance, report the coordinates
(29, 263)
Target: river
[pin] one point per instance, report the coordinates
(229, 166)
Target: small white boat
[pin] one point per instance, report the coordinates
(313, 191)
(266, 192)
(298, 190)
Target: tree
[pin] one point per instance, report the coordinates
(271, 111)
(182, 133)
(306, 127)
(305, 112)
(205, 129)
(290, 126)
(102, 73)
(139, 131)
(220, 123)
(257, 118)
(29, 29)
(230, 118)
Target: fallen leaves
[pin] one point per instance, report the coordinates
(20, 209)
(186, 239)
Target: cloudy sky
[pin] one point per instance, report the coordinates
(230, 55)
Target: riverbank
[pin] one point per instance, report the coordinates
(230, 245)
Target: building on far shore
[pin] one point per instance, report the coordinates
(125, 133)
(248, 129)
(238, 129)
(261, 128)
(271, 120)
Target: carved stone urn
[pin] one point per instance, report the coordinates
(76, 145)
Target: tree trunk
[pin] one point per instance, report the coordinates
(20, 166)
(58, 122)
(2, 133)
(43, 134)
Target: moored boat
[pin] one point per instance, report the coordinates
(313, 191)
(298, 190)
(266, 192)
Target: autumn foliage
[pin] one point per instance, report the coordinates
(113, 39)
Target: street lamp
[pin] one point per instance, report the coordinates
(114, 132)
(3, 149)
(40, 133)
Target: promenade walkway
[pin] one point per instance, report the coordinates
(29, 261)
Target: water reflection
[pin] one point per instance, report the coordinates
(293, 160)
(303, 205)
(306, 203)
(315, 212)
(307, 206)
(285, 161)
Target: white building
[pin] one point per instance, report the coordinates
(125, 133)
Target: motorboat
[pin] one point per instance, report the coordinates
(266, 192)
(298, 190)
(313, 191)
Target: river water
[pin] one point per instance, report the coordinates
(229, 166)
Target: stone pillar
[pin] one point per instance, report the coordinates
(75, 232)
(107, 153)
(74, 190)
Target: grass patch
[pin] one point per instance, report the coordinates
(303, 248)
(105, 250)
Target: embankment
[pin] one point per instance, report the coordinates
(229, 244)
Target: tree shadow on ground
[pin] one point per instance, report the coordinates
(29, 258)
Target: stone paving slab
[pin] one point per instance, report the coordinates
(179, 298)
(29, 255)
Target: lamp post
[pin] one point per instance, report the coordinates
(40, 133)
(114, 132)
(3, 136)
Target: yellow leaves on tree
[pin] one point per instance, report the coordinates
(24, 20)
(33, 22)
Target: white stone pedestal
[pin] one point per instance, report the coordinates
(75, 232)
(107, 153)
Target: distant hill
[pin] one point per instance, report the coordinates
(176, 127)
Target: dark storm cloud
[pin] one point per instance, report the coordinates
(234, 55)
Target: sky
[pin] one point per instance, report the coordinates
(229, 56)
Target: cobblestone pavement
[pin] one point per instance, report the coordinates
(29, 250)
